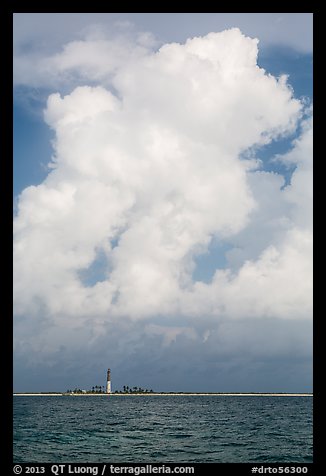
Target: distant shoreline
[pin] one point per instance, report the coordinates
(157, 394)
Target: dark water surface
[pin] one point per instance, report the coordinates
(119, 429)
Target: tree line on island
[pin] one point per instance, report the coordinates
(101, 389)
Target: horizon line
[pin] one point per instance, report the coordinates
(164, 393)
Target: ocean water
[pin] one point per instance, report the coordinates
(162, 429)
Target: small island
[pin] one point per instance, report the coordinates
(101, 390)
(118, 393)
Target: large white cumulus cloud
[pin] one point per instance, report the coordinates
(150, 175)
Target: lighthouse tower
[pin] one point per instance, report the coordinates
(108, 381)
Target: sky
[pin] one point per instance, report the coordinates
(163, 201)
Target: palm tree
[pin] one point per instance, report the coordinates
(124, 389)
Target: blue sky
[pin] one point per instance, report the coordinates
(195, 272)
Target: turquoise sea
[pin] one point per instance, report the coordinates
(162, 429)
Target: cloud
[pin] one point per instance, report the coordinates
(147, 172)
(44, 33)
(60, 50)
(246, 355)
(91, 59)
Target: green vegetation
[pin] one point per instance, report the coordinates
(101, 389)
(127, 389)
(95, 389)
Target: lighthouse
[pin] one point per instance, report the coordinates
(108, 381)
